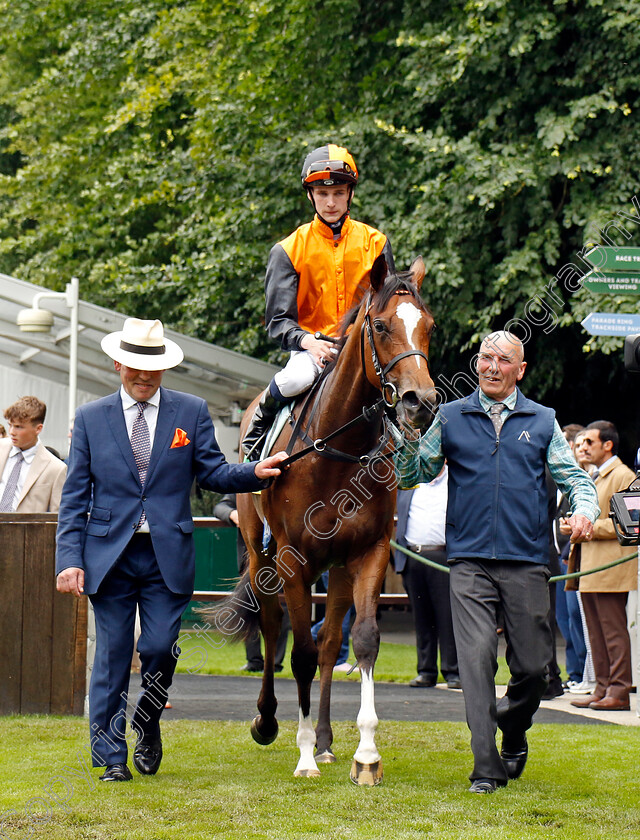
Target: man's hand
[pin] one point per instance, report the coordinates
(581, 528)
(322, 351)
(269, 467)
(71, 580)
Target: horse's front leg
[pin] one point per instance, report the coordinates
(339, 600)
(367, 763)
(304, 661)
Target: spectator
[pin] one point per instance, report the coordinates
(421, 529)
(604, 594)
(568, 610)
(32, 477)
(125, 533)
(227, 512)
(496, 443)
(342, 663)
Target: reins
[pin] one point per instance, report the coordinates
(383, 408)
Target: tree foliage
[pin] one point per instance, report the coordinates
(153, 150)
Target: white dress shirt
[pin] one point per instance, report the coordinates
(130, 410)
(428, 512)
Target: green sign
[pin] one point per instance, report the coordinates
(615, 259)
(612, 282)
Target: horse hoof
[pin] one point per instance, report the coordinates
(366, 774)
(325, 757)
(260, 737)
(313, 773)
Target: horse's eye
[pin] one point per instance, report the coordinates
(379, 326)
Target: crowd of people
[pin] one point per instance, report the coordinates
(494, 490)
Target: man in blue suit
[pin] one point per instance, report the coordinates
(125, 532)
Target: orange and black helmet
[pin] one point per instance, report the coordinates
(329, 165)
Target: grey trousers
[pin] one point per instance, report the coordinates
(518, 592)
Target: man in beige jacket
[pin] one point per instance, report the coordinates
(604, 594)
(31, 478)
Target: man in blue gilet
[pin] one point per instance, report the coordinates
(496, 443)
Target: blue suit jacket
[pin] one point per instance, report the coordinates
(403, 506)
(102, 498)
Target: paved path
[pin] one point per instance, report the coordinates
(201, 697)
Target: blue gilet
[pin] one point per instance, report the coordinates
(497, 494)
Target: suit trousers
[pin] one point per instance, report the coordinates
(428, 591)
(606, 616)
(520, 591)
(134, 581)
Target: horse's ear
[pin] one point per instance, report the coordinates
(418, 271)
(379, 271)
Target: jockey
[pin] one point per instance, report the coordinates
(312, 278)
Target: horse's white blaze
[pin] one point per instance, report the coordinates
(410, 315)
(306, 740)
(367, 752)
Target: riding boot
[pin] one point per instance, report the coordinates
(261, 421)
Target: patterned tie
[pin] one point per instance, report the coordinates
(6, 503)
(495, 411)
(141, 446)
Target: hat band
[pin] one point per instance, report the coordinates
(143, 351)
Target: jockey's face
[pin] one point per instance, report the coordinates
(331, 202)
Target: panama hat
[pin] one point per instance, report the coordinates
(141, 345)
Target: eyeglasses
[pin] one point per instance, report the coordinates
(588, 441)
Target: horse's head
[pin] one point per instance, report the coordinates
(397, 329)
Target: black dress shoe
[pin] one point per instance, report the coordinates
(515, 760)
(116, 773)
(423, 681)
(483, 786)
(147, 756)
(552, 691)
(454, 683)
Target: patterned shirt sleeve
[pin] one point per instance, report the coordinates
(420, 460)
(573, 481)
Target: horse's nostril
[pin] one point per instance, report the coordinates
(410, 400)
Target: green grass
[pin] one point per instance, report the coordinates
(206, 654)
(215, 782)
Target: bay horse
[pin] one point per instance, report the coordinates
(334, 508)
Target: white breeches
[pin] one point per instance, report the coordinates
(298, 374)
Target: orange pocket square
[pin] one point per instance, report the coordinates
(179, 439)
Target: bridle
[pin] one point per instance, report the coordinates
(384, 408)
(388, 389)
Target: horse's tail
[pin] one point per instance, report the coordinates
(236, 617)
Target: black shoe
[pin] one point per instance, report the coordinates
(423, 681)
(483, 786)
(553, 690)
(262, 419)
(252, 668)
(514, 760)
(454, 683)
(147, 756)
(116, 773)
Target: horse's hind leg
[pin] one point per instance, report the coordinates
(264, 727)
(304, 661)
(367, 763)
